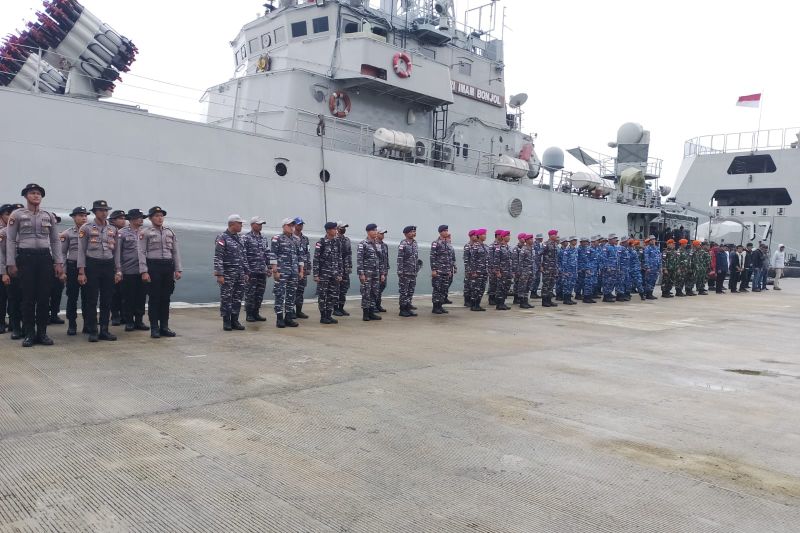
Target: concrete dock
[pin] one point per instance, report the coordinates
(678, 415)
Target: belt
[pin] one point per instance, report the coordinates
(33, 251)
(70, 261)
(161, 261)
(96, 260)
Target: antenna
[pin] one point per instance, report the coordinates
(517, 100)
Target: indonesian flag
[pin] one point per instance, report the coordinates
(751, 100)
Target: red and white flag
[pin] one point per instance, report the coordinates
(751, 100)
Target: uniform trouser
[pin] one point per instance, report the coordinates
(99, 285)
(73, 290)
(327, 294)
(667, 282)
(638, 284)
(116, 301)
(720, 284)
(503, 285)
(568, 283)
(56, 290)
(440, 284)
(609, 281)
(623, 282)
(231, 293)
(492, 285)
(285, 290)
(370, 289)
(254, 293)
(522, 286)
(300, 291)
(14, 292)
(159, 291)
(450, 283)
(537, 278)
(408, 283)
(344, 287)
(700, 281)
(479, 287)
(589, 284)
(3, 302)
(580, 282)
(134, 294)
(650, 279)
(381, 288)
(36, 275)
(548, 281)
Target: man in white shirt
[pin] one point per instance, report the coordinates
(778, 263)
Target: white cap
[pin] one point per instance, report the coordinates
(258, 220)
(382, 230)
(287, 221)
(234, 218)
(342, 224)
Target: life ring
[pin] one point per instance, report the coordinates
(263, 63)
(346, 104)
(401, 63)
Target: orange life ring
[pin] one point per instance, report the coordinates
(403, 58)
(333, 104)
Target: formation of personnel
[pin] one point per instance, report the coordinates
(115, 257)
(99, 261)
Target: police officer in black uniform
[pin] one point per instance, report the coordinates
(33, 252)
(56, 291)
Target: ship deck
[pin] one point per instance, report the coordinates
(677, 415)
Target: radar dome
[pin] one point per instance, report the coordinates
(553, 158)
(630, 133)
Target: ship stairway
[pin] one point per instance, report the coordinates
(440, 123)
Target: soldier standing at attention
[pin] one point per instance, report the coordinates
(368, 265)
(538, 247)
(609, 263)
(289, 268)
(441, 269)
(33, 252)
(134, 291)
(303, 250)
(635, 269)
(14, 286)
(682, 272)
(347, 261)
(468, 247)
(549, 268)
(623, 274)
(479, 269)
(231, 270)
(56, 291)
(383, 248)
(328, 272)
(5, 212)
(258, 261)
(583, 251)
(407, 269)
(69, 249)
(669, 267)
(569, 270)
(118, 220)
(525, 270)
(498, 241)
(160, 265)
(501, 270)
(702, 266)
(590, 285)
(98, 269)
(455, 269)
(652, 266)
(515, 251)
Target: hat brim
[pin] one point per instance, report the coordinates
(26, 190)
(95, 209)
(148, 215)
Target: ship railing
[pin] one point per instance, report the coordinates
(746, 141)
(609, 167)
(638, 196)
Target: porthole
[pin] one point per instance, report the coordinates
(324, 176)
(280, 169)
(515, 207)
(603, 220)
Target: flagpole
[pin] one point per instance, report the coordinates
(760, 111)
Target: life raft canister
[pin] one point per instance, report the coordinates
(340, 104)
(401, 63)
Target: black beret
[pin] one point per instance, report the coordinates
(408, 229)
(443, 227)
(371, 227)
(330, 225)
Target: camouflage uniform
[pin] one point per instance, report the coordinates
(583, 271)
(230, 262)
(623, 273)
(523, 271)
(592, 267)
(303, 245)
(407, 269)
(549, 268)
(285, 251)
(501, 270)
(443, 263)
(702, 264)
(682, 277)
(256, 248)
(669, 266)
(538, 248)
(652, 267)
(635, 271)
(383, 249)
(478, 271)
(347, 262)
(368, 264)
(568, 269)
(468, 282)
(329, 268)
(492, 279)
(609, 263)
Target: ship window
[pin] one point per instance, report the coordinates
(742, 197)
(243, 52)
(280, 35)
(266, 40)
(752, 164)
(375, 72)
(253, 46)
(465, 68)
(320, 24)
(351, 26)
(377, 30)
(299, 29)
(465, 150)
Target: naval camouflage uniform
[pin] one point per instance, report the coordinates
(501, 269)
(407, 270)
(478, 272)
(368, 265)
(230, 261)
(443, 263)
(609, 263)
(568, 269)
(492, 279)
(523, 272)
(652, 267)
(289, 263)
(549, 268)
(256, 249)
(347, 261)
(384, 252)
(304, 252)
(329, 268)
(538, 248)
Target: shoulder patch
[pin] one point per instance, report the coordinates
(275, 238)
(63, 238)
(318, 245)
(11, 221)
(220, 242)
(81, 234)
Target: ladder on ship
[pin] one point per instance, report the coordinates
(441, 153)
(440, 123)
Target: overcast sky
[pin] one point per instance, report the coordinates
(677, 67)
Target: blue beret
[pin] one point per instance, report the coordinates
(330, 225)
(409, 228)
(443, 227)
(371, 227)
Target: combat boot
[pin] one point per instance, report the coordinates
(649, 296)
(55, 319)
(702, 292)
(93, 335)
(550, 302)
(501, 305)
(642, 296)
(589, 300)
(331, 320)
(515, 301)
(235, 324)
(437, 309)
(412, 307)
(43, 339)
(16, 329)
(72, 328)
(447, 301)
(129, 326)
(257, 315)
(620, 298)
(379, 308)
(344, 313)
(608, 298)
(559, 297)
(373, 315)
(299, 312)
(289, 321)
(524, 304)
(410, 310)
(679, 292)
(690, 292)
(491, 300)
(166, 332)
(324, 318)
(115, 320)
(667, 294)
(337, 311)
(280, 322)
(154, 332)
(249, 316)
(226, 323)
(535, 295)
(366, 318)
(105, 335)
(28, 341)
(404, 312)
(3, 325)
(139, 325)
(568, 300)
